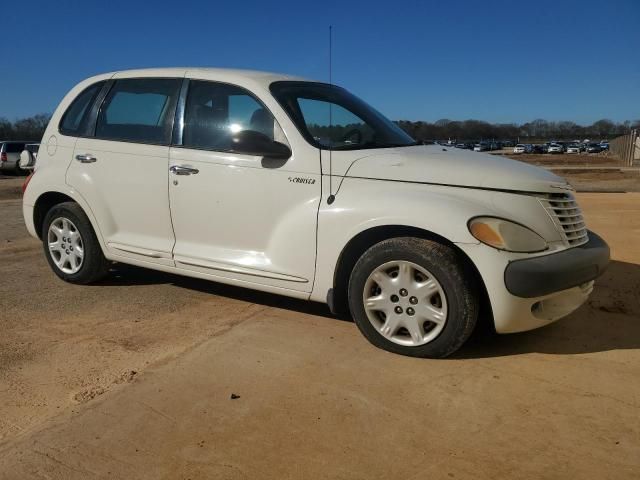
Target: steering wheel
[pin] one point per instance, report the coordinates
(351, 133)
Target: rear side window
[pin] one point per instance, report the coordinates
(215, 112)
(139, 110)
(75, 116)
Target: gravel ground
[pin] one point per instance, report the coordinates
(150, 375)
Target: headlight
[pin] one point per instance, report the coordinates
(506, 235)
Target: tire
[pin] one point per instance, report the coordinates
(75, 257)
(440, 291)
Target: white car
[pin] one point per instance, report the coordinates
(519, 148)
(480, 147)
(28, 156)
(555, 148)
(573, 149)
(243, 178)
(10, 156)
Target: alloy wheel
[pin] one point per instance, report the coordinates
(65, 245)
(405, 303)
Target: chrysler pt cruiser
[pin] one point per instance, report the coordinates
(300, 188)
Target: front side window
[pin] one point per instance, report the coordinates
(72, 120)
(215, 113)
(139, 110)
(331, 118)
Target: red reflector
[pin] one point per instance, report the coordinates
(26, 182)
(3, 157)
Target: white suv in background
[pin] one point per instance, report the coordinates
(555, 148)
(300, 188)
(520, 148)
(10, 156)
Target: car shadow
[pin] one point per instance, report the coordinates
(610, 320)
(129, 275)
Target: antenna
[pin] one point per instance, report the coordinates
(331, 197)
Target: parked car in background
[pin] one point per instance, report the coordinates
(508, 143)
(555, 148)
(520, 148)
(480, 147)
(573, 148)
(149, 167)
(604, 146)
(539, 148)
(10, 156)
(594, 148)
(29, 155)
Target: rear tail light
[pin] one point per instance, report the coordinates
(26, 182)
(3, 157)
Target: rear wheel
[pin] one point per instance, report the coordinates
(413, 297)
(71, 246)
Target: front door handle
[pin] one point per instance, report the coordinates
(182, 170)
(86, 158)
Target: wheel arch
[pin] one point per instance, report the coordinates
(43, 204)
(365, 239)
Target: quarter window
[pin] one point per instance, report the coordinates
(73, 119)
(216, 112)
(139, 110)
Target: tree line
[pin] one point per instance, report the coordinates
(29, 129)
(32, 129)
(526, 132)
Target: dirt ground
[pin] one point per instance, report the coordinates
(604, 180)
(605, 159)
(137, 378)
(587, 172)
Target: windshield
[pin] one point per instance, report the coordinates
(331, 118)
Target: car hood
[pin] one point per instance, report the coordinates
(434, 164)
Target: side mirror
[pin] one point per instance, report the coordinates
(251, 142)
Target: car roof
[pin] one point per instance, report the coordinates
(230, 75)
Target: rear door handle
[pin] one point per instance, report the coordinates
(86, 158)
(182, 170)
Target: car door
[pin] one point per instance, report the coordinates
(122, 170)
(238, 216)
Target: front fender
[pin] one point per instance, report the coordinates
(362, 204)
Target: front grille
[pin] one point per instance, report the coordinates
(566, 214)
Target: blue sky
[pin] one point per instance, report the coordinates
(500, 61)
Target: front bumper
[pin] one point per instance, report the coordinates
(540, 276)
(528, 292)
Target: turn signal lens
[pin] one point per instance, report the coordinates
(505, 235)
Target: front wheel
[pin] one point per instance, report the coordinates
(71, 246)
(413, 297)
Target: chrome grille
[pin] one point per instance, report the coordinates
(566, 214)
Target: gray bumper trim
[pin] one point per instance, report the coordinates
(539, 276)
